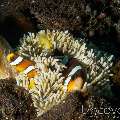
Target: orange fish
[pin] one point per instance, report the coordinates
(23, 65)
(77, 83)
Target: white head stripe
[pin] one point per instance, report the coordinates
(74, 70)
(17, 61)
(27, 70)
(67, 80)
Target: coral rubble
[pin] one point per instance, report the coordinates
(116, 77)
(77, 108)
(15, 102)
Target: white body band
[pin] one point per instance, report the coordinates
(17, 61)
(74, 70)
(30, 68)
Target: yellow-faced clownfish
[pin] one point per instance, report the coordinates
(77, 83)
(23, 65)
(45, 41)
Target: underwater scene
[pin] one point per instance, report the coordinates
(59, 60)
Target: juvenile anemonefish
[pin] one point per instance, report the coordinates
(45, 41)
(23, 65)
(76, 77)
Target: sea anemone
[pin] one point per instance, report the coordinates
(96, 61)
(48, 90)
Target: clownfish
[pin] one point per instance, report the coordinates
(45, 41)
(75, 80)
(23, 65)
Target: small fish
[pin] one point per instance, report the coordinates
(76, 83)
(23, 65)
(45, 41)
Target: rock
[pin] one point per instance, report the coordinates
(15, 102)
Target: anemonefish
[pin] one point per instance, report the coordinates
(45, 41)
(23, 65)
(77, 83)
(76, 79)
